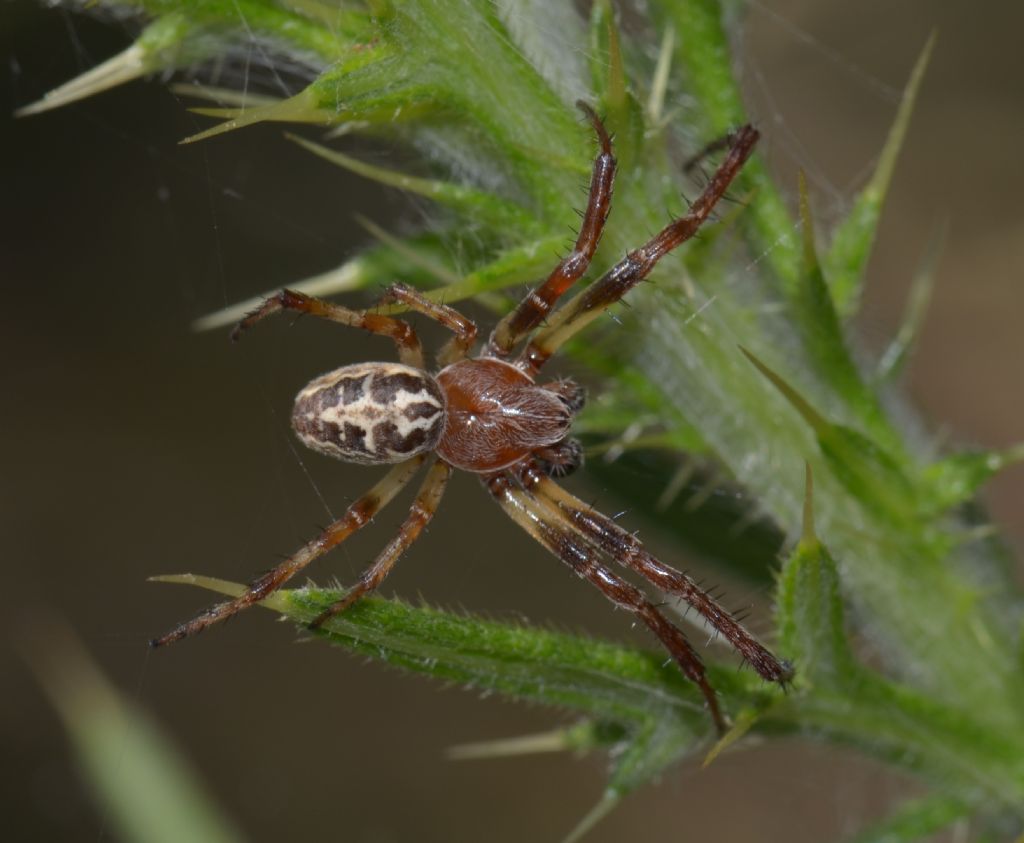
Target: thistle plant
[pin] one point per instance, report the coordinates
(895, 600)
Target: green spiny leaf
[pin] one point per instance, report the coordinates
(810, 609)
(702, 50)
(169, 42)
(302, 108)
(894, 358)
(623, 114)
(824, 334)
(585, 736)
(517, 265)
(853, 239)
(594, 677)
(466, 201)
(541, 29)
(868, 472)
(957, 478)
(374, 267)
(650, 748)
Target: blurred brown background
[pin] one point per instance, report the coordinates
(132, 446)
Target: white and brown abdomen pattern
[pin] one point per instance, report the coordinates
(370, 413)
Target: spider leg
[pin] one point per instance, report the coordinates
(574, 395)
(422, 510)
(560, 459)
(543, 524)
(357, 516)
(637, 265)
(464, 329)
(535, 307)
(410, 352)
(717, 145)
(603, 534)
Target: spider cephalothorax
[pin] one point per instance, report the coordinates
(489, 416)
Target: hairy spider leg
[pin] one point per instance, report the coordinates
(637, 265)
(719, 144)
(410, 351)
(552, 530)
(535, 307)
(560, 459)
(422, 510)
(464, 329)
(603, 534)
(356, 517)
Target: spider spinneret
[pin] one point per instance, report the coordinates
(488, 415)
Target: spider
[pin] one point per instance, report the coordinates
(488, 415)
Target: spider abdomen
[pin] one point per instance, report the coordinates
(370, 413)
(496, 415)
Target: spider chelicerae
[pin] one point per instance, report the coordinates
(488, 415)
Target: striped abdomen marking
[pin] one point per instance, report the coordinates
(370, 413)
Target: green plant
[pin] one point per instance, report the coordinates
(894, 555)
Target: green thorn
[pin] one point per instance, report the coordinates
(854, 238)
(895, 356)
(742, 724)
(441, 273)
(814, 419)
(125, 66)
(659, 83)
(601, 810)
(298, 109)
(809, 537)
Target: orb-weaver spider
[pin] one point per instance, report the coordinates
(487, 415)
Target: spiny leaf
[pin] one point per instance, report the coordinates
(541, 29)
(169, 42)
(659, 81)
(585, 736)
(230, 103)
(653, 746)
(656, 744)
(419, 260)
(623, 114)
(702, 512)
(742, 723)
(810, 609)
(870, 474)
(629, 400)
(596, 677)
(375, 266)
(317, 35)
(302, 108)
(466, 201)
(894, 358)
(602, 809)
(518, 265)
(702, 51)
(853, 239)
(823, 332)
(359, 88)
(946, 745)
(957, 478)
